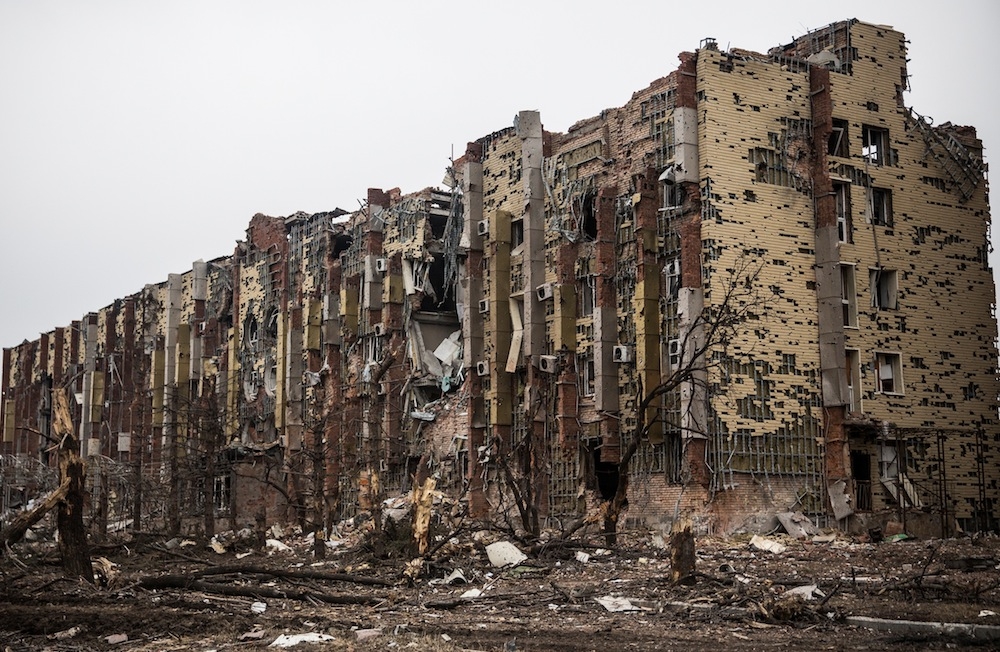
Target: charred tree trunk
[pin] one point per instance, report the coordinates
(69, 516)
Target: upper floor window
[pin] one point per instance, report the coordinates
(875, 144)
(837, 145)
(881, 207)
(849, 295)
(884, 288)
(890, 373)
(842, 197)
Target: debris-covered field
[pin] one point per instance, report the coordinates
(367, 594)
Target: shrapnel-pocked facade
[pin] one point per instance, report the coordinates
(501, 333)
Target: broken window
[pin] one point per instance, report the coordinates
(768, 167)
(852, 372)
(881, 207)
(890, 373)
(895, 459)
(837, 145)
(587, 296)
(883, 288)
(842, 197)
(251, 332)
(849, 295)
(875, 144)
(516, 232)
(586, 371)
(223, 493)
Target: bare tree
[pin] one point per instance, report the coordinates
(705, 339)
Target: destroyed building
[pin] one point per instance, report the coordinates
(506, 333)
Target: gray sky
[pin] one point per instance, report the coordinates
(137, 137)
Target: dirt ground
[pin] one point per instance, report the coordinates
(547, 602)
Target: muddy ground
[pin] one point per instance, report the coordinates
(548, 602)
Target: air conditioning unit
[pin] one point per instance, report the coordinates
(548, 364)
(544, 291)
(378, 330)
(622, 353)
(482, 368)
(483, 227)
(674, 351)
(382, 265)
(484, 306)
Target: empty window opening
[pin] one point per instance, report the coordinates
(890, 373)
(837, 145)
(849, 295)
(883, 288)
(875, 144)
(881, 207)
(588, 216)
(861, 470)
(607, 476)
(437, 297)
(842, 197)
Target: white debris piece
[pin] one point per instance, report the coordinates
(760, 543)
(503, 553)
(277, 546)
(616, 604)
(291, 640)
(471, 594)
(66, 633)
(258, 607)
(808, 592)
(582, 557)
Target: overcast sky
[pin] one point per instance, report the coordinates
(137, 137)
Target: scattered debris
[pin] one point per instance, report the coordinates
(258, 607)
(114, 639)
(365, 634)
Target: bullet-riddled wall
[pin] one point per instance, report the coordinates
(503, 332)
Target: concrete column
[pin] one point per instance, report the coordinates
(529, 130)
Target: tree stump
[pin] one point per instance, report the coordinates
(682, 557)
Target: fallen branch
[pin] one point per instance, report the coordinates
(13, 532)
(180, 555)
(300, 574)
(186, 583)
